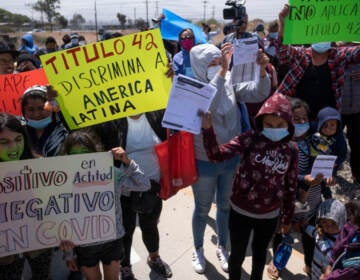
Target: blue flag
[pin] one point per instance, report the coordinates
(172, 24)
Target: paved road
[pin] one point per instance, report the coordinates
(176, 246)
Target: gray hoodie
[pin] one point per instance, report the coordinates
(333, 209)
(224, 109)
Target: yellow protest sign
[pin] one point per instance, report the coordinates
(110, 79)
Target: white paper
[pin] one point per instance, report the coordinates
(187, 97)
(245, 73)
(323, 164)
(245, 67)
(245, 50)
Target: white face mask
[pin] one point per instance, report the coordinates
(212, 71)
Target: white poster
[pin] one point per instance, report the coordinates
(187, 97)
(46, 200)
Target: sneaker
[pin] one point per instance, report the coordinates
(301, 207)
(126, 273)
(223, 258)
(198, 261)
(160, 267)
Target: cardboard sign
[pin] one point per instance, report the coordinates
(110, 79)
(12, 87)
(314, 21)
(44, 201)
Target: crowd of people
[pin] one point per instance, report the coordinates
(254, 156)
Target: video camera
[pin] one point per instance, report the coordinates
(237, 9)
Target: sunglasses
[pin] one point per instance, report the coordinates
(187, 37)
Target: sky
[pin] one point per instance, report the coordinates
(107, 9)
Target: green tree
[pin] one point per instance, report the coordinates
(47, 7)
(61, 21)
(140, 23)
(17, 19)
(122, 19)
(77, 20)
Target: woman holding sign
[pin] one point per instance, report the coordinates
(210, 65)
(138, 135)
(14, 146)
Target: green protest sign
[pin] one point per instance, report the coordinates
(313, 21)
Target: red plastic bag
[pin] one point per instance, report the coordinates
(177, 163)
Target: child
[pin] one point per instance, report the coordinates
(46, 131)
(331, 218)
(310, 190)
(110, 252)
(346, 241)
(329, 138)
(14, 145)
(303, 136)
(306, 209)
(264, 186)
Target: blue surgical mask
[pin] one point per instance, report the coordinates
(40, 124)
(275, 134)
(301, 129)
(321, 47)
(273, 35)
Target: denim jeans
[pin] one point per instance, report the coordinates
(213, 179)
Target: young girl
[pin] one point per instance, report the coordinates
(46, 131)
(15, 146)
(264, 186)
(12, 147)
(110, 252)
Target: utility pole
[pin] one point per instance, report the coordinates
(147, 13)
(213, 11)
(205, 2)
(156, 9)
(96, 24)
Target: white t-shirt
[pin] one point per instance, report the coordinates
(140, 142)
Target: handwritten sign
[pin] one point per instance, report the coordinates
(12, 87)
(43, 201)
(111, 79)
(314, 21)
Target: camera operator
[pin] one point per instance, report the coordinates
(239, 22)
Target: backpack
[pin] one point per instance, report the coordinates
(351, 255)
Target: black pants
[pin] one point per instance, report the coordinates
(352, 123)
(308, 244)
(148, 225)
(240, 229)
